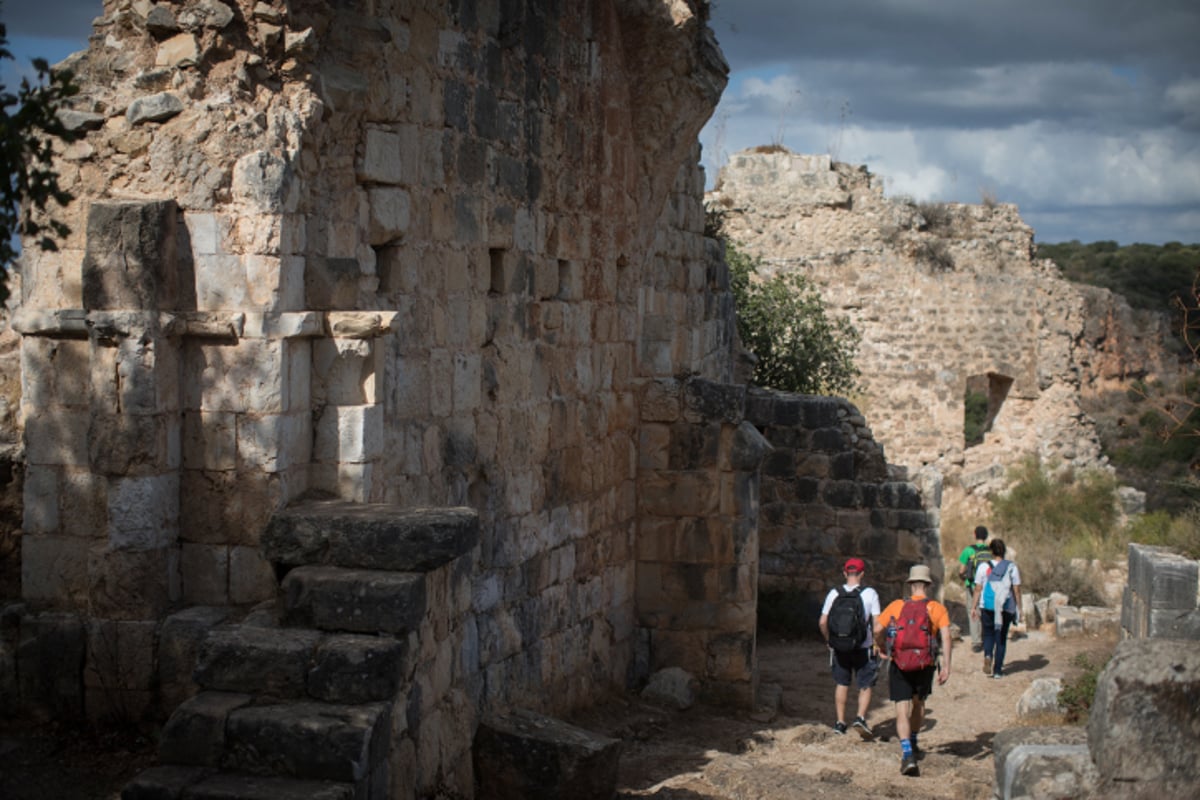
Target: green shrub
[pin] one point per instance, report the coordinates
(782, 320)
(1079, 692)
(975, 407)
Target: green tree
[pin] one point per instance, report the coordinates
(28, 125)
(782, 320)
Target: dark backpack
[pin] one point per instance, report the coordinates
(914, 646)
(847, 628)
(982, 555)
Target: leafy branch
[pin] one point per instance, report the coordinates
(29, 124)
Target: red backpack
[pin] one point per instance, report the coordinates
(914, 647)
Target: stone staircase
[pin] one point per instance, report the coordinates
(298, 699)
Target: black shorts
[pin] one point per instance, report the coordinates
(907, 685)
(861, 664)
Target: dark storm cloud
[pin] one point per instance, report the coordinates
(57, 19)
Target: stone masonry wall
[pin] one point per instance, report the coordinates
(828, 494)
(945, 296)
(425, 253)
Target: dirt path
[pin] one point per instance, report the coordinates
(704, 754)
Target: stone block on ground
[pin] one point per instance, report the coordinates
(526, 756)
(673, 687)
(1043, 763)
(1100, 621)
(1145, 720)
(1068, 621)
(1041, 698)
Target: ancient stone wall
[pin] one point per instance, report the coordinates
(827, 494)
(946, 296)
(414, 252)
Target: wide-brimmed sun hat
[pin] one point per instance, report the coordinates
(919, 572)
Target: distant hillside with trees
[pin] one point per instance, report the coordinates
(1150, 276)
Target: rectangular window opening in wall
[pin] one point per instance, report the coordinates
(497, 282)
(984, 397)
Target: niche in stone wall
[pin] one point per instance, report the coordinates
(984, 396)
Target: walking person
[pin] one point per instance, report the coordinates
(846, 619)
(996, 603)
(968, 564)
(910, 629)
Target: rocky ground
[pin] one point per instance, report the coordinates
(699, 754)
(705, 754)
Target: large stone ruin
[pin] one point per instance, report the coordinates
(386, 383)
(948, 297)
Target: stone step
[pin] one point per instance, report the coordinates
(369, 535)
(199, 783)
(353, 600)
(302, 740)
(299, 663)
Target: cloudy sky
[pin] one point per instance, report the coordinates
(1086, 113)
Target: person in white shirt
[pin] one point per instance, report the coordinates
(996, 603)
(851, 657)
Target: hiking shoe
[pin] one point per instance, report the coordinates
(997, 674)
(863, 729)
(976, 648)
(908, 765)
(839, 727)
(987, 666)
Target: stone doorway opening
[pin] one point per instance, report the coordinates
(984, 396)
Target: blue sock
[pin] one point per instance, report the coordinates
(906, 747)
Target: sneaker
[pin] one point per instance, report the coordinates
(987, 665)
(908, 765)
(839, 727)
(863, 729)
(976, 648)
(997, 674)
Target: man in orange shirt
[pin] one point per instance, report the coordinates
(908, 632)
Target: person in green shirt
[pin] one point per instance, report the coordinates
(970, 558)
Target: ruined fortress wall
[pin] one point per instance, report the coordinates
(944, 295)
(420, 253)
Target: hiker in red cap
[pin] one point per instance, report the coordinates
(845, 623)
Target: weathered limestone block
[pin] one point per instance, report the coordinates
(180, 50)
(370, 535)
(1043, 763)
(1163, 579)
(251, 577)
(1041, 698)
(349, 433)
(179, 642)
(54, 570)
(262, 661)
(195, 733)
(1068, 622)
(143, 512)
(357, 669)
(389, 213)
(130, 262)
(154, 108)
(1098, 621)
(132, 584)
(672, 687)
(265, 182)
(354, 600)
(320, 741)
(51, 653)
(1145, 719)
(526, 756)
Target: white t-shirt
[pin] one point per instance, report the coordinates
(870, 601)
(986, 600)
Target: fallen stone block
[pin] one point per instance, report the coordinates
(673, 687)
(1145, 720)
(1099, 621)
(526, 756)
(1068, 622)
(1041, 698)
(1043, 763)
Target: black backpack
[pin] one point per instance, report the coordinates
(847, 627)
(982, 555)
